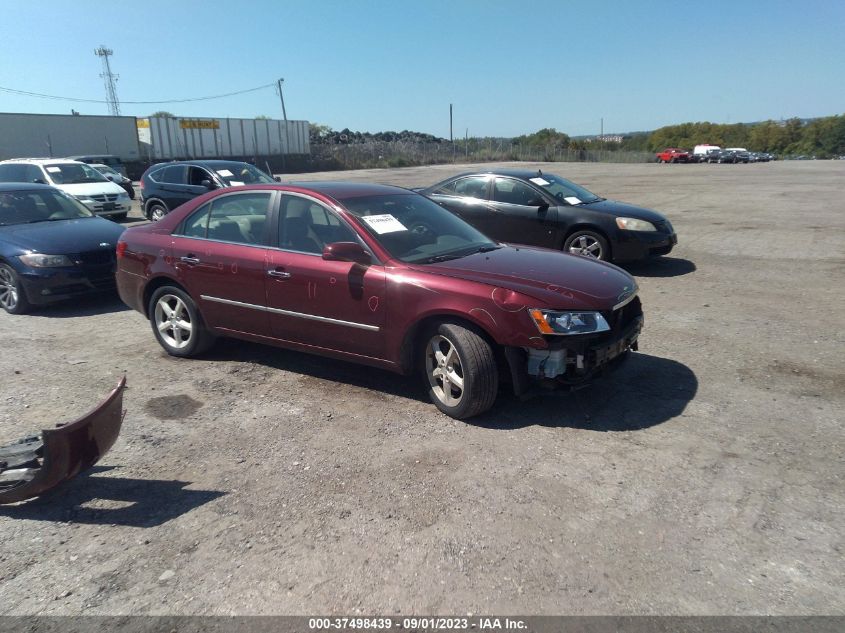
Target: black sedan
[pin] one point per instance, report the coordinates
(532, 207)
(51, 247)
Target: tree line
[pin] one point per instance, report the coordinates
(822, 137)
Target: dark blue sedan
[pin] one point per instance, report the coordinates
(51, 247)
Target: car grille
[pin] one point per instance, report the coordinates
(105, 197)
(664, 226)
(620, 319)
(102, 257)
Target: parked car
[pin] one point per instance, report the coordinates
(726, 156)
(703, 151)
(540, 209)
(381, 276)
(117, 178)
(103, 159)
(712, 156)
(82, 181)
(51, 247)
(673, 155)
(741, 155)
(167, 185)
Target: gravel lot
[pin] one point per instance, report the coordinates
(704, 477)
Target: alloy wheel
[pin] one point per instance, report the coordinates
(173, 321)
(8, 290)
(444, 370)
(587, 246)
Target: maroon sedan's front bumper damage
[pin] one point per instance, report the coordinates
(33, 465)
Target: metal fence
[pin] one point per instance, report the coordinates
(408, 153)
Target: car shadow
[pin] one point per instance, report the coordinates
(660, 267)
(318, 367)
(112, 500)
(106, 303)
(641, 393)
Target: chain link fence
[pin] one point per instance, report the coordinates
(374, 154)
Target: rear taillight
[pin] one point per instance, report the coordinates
(142, 184)
(121, 249)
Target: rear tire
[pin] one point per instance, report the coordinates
(12, 295)
(460, 371)
(156, 211)
(177, 323)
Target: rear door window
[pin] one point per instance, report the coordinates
(175, 175)
(470, 187)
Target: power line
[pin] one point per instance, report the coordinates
(60, 98)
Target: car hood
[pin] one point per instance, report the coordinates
(62, 236)
(91, 188)
(555, 279)
(622, 209)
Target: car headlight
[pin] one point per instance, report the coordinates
(123, 197)
(560, 322)
(37, 260)
(633, 224)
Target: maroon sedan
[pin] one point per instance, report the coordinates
(381, 276)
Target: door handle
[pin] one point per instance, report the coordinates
(189, 259)
(279, 274)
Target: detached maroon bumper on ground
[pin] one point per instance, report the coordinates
(33, 465)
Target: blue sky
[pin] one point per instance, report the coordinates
(508, 67)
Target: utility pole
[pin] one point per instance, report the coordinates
(451, 138)
(110, 79)
(285, 117)
(601, 136)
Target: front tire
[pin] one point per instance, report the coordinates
(12, 295)
(588, 244)
(460, 371)
(156, 211)
(177, 324)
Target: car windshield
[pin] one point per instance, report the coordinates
(564, 190)
(106, 170)
(73, 174)
(236, 174)
(414, 229)
(41, 205)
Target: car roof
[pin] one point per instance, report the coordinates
(512, 173)
(41, 161)
(343, 190)
(22, 186)
(202, 163)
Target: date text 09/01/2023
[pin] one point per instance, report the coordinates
(417, 623)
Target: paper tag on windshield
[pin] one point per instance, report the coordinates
(572, 200)
(235, 183)
(539, 181)
(225, 173)
(385, 223)
(54, 170)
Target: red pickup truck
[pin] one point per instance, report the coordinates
(673, 155)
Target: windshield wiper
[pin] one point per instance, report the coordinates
(486, 249)
(444, 258)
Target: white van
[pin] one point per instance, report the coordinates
(82, 181)
(703, 150)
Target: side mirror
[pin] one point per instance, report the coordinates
(538, 202)
(277, 178)
(346, 252)
(208, 184)
(39, 181)
(110, 177)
